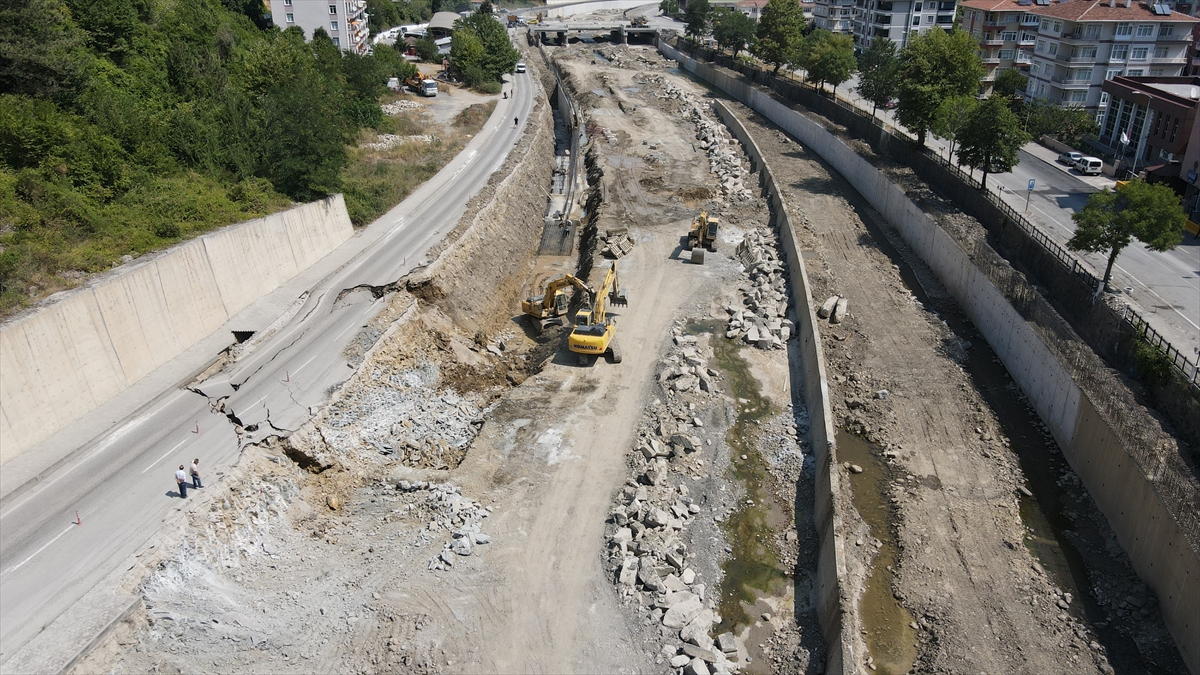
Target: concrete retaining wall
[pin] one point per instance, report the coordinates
(559, 11)
(65, 359)
(1155, 543)
(831, 560)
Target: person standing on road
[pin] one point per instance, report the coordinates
(514, 121)
(195, 471)
(181, 480)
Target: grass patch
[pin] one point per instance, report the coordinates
(377, 180)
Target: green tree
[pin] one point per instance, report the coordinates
(384, 14)
(485, 8)
(952, 116)
(732, 30)
(934, 67)
(427, 49)
(990, 138)
(466, 50)
(1111, 220)
(499, 56)
(1040, 117)
(42, 50)
(669, 7)
(1008, 82)
(878, 81)
(780, 30)
(696, 15)
(828, 58)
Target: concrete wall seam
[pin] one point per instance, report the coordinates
(1151, 537)
(71, 356)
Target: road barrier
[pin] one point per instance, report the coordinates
(1143, 491)
(63, 360)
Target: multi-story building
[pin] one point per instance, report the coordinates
(835, 15)
(1148, 120)
(1069, 48)
(344, 20)
(898, 20)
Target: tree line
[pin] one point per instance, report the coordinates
(127, 124)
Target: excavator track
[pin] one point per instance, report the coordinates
(615, 350)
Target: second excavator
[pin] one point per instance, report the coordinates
(595, 332)
(550, 308)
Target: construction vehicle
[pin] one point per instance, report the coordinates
(550, 308)
(703, 235)
(595, 332)
(422, 86)
(638, 22)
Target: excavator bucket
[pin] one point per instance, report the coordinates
(697, 256)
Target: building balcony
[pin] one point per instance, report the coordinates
(1181, 60)
(1064, 83)
(1182, 37)
(1032, 21)
(1080, 38)
(990, 59)
(1066, 58)
(1027, 42)
(1023, 60)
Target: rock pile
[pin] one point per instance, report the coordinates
(764, 320)
(396, 107)
(445, 508)
(623, 57)
(724, 155)
(407, 417)
(389, 141)
(647, 531)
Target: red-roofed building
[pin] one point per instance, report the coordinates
(1069, 48)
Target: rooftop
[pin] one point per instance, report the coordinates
(1082, 10)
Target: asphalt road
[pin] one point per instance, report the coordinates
(122, 480)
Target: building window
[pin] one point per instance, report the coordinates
(945, 19)
(929, 19)
(1082, 74)
(291, 18)
(337, 42)
(333, 25)
(333, 9)
(287, 3)
(1160, 52)
(1035, 68)
(1134, 72)
(1052, 48)
(1057, 26)
(1166, 29)
(1119, 53)
(1111, 73)
(1104, 98)
(1124, 29)
(916, 20)
(1041, 46)
(1088, 52)
(1145, 30)
(1092, 32)
(917, 7)
(1175, 130)
(1078, 96)
(1139, 53)
(1008, 35)
(1006, 54)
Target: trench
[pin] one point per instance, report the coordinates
(752, 574)
(1044, 513)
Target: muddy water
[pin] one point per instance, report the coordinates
(753, 574)
(890, 639)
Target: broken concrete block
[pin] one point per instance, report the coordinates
(726, 643)
(827, 307)
(648, 576)
(656, 518)
(681, 613)
(839, 312)
(680, 660)
(623, 535)
(674, 584)
(698, 652)
(696, 667)
(629, 571)
(697, 627)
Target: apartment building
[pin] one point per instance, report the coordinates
(344, 20)
(1069, 48)
(1149, 120)
(898, 20)
(835, 15)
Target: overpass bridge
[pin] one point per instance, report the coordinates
(620, 32)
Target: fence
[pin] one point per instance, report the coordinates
(1130, 322)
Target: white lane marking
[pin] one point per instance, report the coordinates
(18, 566)
(133, 423)
(165, 455)
(310, 360)
(465, 164)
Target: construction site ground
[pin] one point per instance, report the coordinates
(474, 499)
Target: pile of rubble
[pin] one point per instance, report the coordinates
(406, 417)
(389, 141)
(647, 553)
(445, 508)
(724, 155)
(396, 107)
(617, 243)
(763, 320)
(623, 57)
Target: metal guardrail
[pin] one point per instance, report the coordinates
(1184, 367)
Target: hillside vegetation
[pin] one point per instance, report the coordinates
(128, 125)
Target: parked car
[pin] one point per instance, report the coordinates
(520, 66)
(1089, 166)
(1070, 158)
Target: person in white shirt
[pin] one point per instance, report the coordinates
(181, 480)
(195, 471)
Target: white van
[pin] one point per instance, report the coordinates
(1089, 166)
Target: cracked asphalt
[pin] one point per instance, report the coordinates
(52, 569)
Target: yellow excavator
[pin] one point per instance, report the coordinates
(703, 235)
(595, 332)
(550, 308)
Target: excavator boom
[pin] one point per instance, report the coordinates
(594, 332)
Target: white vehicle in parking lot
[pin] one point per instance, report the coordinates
(1089, 166)
(1070, 158)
